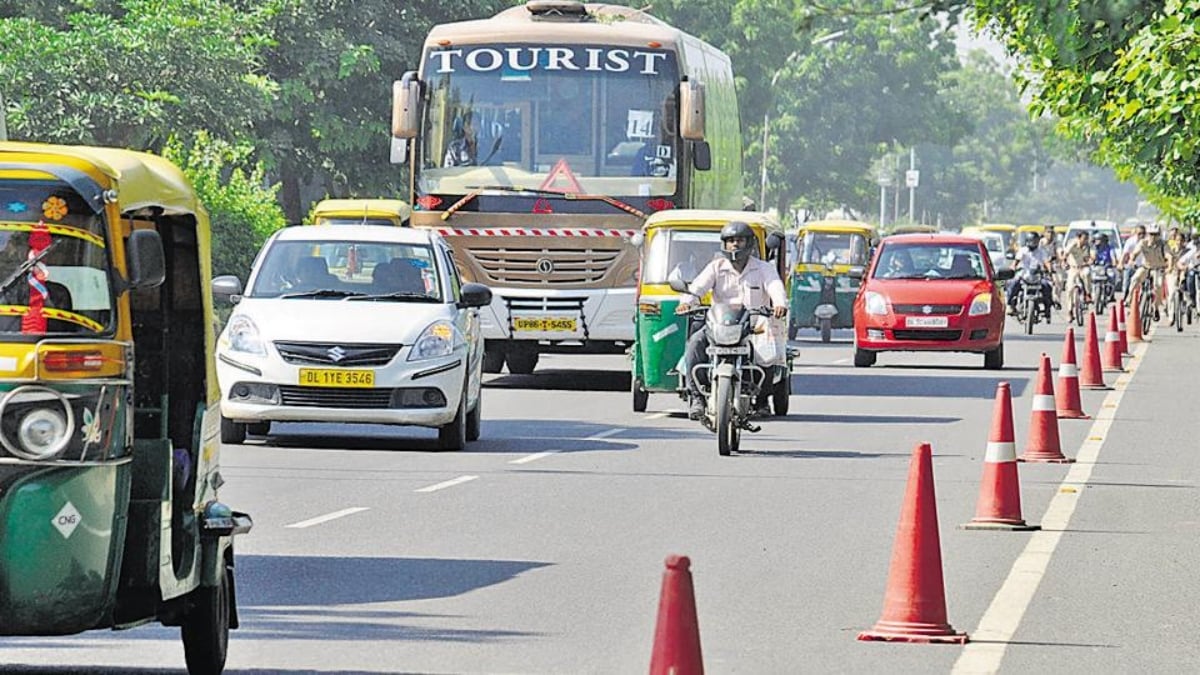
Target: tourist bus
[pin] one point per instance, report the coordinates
(538, 140)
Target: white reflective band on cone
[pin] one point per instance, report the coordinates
(1000, 451)
(1120, 326)
(1111, 337)
(1043, 403)
(1068, 370)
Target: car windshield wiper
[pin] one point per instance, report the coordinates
(963, 276)
(399, 295)
(323, 293)
(478, 190)
(26, 266)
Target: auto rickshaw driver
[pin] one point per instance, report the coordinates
(735, 278)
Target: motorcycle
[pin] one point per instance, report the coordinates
(1104, 287)
(1030, 301)
(736, 379)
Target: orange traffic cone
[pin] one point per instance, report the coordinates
(1121, 329)
(1066, 392)
(999, 506)
(914, 605)
(1135, 317)
(1112, 345)
(677, 633)
(1090, 374)
(1044, 445)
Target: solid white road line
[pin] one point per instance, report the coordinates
(1000, 621)
(449, 483)
(327, 517)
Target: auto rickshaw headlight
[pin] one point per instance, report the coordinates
(42, 433)
(242, 336)
(40, 419)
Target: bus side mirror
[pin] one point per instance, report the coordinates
(701, 156)
(147, 264)
(691, 110)
(406, 106)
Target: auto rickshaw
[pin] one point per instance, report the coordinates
(1006, 230)
(913, 229)
(822, 292)
(680, 243)
(361, 212)
(109, 415)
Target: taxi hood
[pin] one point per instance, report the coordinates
(338, 320)
(929, 291)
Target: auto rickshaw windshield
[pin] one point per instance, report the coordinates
(54, 263)
(681, 252)
(840, 248)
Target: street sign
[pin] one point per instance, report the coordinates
(911, 178)
(884, 179)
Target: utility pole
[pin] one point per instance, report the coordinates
(910, 178)
(3, 124)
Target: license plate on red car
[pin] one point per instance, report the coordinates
(926, 322)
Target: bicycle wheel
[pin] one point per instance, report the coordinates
(1077, 305)
(1146, 306)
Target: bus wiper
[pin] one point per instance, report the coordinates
(323, 293)
(398, 295)
(475, 192)
(26, 266)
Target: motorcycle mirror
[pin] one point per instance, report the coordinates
(676, 282)
(1005, 274)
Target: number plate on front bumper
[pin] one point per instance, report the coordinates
(547, 324)
(719, 351)
(329, 377)
(926, 322)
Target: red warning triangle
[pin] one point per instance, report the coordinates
(561, 170)
(542, 206)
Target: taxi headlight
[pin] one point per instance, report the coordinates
(241, 335)
(981, 305)
(441, 338)
(875, 303)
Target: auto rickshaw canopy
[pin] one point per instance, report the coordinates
(715, 218)
(394, 211)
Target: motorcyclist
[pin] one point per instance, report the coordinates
(1106, 257)
(1030, 258)
(736, 278)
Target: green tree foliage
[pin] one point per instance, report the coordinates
(1119, 74)
(231, 186)
(130, 72)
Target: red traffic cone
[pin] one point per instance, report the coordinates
(1090, 374)
(999, 506)
(1135, 317)
(1066, 392)
(677, 633)
(1112, 345)
(914, 605)
(1121, 329)
(1044, 445)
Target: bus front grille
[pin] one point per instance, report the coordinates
(544, 265)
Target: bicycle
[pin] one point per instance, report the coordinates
(1146, 301)
(1078, 298)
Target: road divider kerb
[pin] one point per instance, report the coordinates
(1003, 616)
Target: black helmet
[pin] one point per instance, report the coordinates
(737, 230)
(1032, 239)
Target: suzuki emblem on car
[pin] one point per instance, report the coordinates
(336, 354)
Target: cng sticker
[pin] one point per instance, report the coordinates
(67, 520)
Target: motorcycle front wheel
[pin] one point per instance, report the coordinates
(728, 431)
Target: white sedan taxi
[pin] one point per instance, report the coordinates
(366, 324)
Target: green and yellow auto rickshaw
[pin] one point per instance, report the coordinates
(109, 416)
(822, 291)
(680, 243)
(361, 212)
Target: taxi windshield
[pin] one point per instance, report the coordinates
(347, 269)
(53, 262)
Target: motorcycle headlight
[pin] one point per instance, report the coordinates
(241, 335)
(439, 339)
(726, 334)
(981, 305)
(875, 303)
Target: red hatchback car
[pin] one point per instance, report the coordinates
(930, 292)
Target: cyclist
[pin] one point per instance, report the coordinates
(1129, 263)
(1030, 258)
(1151, 251)
(1187, 265)
(1077, 256)
(1053, 251)
(1176, 245)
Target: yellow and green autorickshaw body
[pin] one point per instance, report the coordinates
(361, 212)
(821, 286)
(90, 459)
(681, 242)
(1006, 230)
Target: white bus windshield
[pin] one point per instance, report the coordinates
(596, 120)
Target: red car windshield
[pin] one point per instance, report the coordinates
(931, 261)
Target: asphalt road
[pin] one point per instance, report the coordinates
(540, 549)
